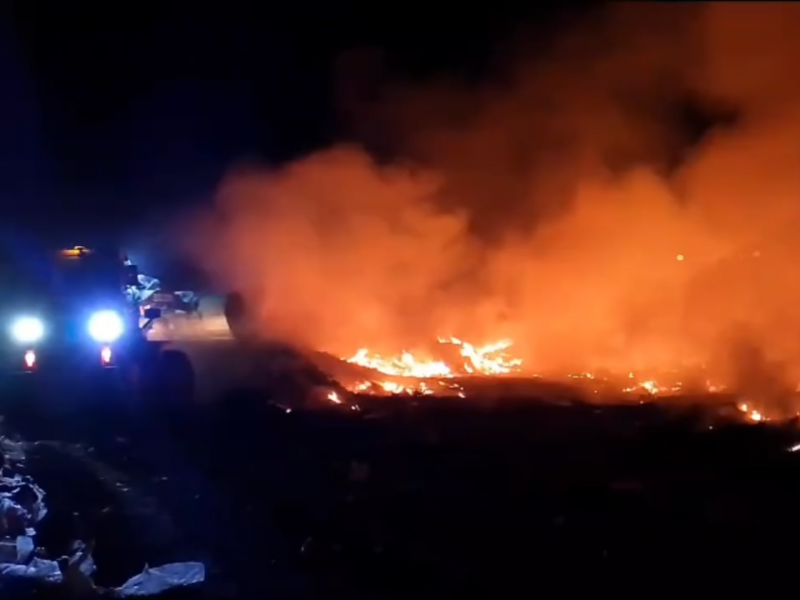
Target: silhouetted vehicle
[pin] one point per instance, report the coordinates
(74, 315)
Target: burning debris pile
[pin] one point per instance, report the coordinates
(411, 375)
(474, 370)
(491, 359)
(406, 373)
(625, 198)
(26, 567)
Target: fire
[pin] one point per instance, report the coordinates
(416, 372)
(654, 388)
(407, 374)
(491, 359)
(751, 413)
(420, 388)
(406, 365)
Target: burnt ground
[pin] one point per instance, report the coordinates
(422, 498)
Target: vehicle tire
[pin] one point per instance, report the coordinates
(174, 380)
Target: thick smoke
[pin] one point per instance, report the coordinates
(564, 203)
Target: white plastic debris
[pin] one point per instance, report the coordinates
(16, 551)
(78, 570)
(81, 558)
(21, 506)
(159, 579)
(21, 509)
(38, 570)
(25, 548)
(13, 452)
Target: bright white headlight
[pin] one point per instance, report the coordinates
(106, 326)
(27, 329)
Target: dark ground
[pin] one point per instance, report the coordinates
(422, 498)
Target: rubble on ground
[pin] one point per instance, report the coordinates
(26, 568)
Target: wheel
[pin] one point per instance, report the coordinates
(174, 380)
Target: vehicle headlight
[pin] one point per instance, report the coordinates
(106, 326)
(27, 329)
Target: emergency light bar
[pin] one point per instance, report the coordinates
(75, 252)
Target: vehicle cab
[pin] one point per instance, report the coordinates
(74, 310)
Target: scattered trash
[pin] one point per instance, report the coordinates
(81, 558)
(16, 551)
(22, 508)
(78, 570)
(11, 451)
(159, 579)
(38, 570)
(75, 572)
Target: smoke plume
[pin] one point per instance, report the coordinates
(572, 202)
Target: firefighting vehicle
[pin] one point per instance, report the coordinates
(78, 312)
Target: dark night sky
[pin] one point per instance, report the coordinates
(113, 111)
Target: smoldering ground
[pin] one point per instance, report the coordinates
(625, 199)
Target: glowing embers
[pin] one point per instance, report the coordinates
(29, 360)
(106, 356)
(756, 416)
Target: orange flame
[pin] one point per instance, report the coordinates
(491, 359)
